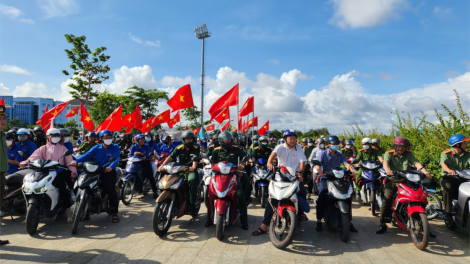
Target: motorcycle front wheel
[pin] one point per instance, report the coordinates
(78, 213)
(373, 201)
(127, 192)
(282, 234)
(434, 205)
(32, 218)
(220, 226)
(419, 230)
(343, 226)
(263, 196)
(160, 221)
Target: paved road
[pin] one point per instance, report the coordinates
(188, 241)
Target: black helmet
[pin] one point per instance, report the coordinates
(309, 140)
(38, 129)
(64, 132)
(242, 139)
(255, 138)
(375, 140)
(348, 142)
(148, 134)
(234, 135)
(10, 135)
(224, 136)
(167, 138)
(188, 134)
(304, 140)
(334, 140)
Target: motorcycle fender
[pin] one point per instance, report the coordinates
(129, 177)
(415, 209)
(83, 194)
(221, 205)
(281, 207)
(33, 200)
(165, 195)
(343, 207)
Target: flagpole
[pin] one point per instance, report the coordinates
(252, 128)
(195, 119)
(238, 111)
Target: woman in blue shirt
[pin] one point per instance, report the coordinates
(140, 148)
(153, 146)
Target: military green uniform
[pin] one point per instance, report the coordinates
(125, 144)
(210, 150)
(347, 152)
(396, 163)
(259, 153)
(184, 156)
(233, 155)
(364, 155)
(380, 152)
(450, 183)
(40, 141)
(272, 145)
(86, 146)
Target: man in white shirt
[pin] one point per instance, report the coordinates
(291, 155)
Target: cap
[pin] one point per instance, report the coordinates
(3, 110)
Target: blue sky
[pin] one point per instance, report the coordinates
(392, 46)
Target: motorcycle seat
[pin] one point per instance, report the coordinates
(18, 176)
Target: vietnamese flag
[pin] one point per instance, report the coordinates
(174, 120)
(228, 99)
(226, 126)
(253, 122)
(224, 115)
(235, 129)
(248, 107)
(210, 127)
(72, 112)
(147, 125)
(161, 118)
(46, 118)
(244, 127)
(182, 99)
(137, 118)
(127, 120)
(196, 131)
(2, 102)
(47, 109)
(263, 129)
(85, 118)
(186, 127)
(113, 121)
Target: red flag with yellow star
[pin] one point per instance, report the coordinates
(248, 107)
(226, 126)
(113, 121)
(164, 117)
(147, 125)
(230, 98)
(137, 118)
(175, 119)
(182, 99)
(46, 118)
(210, 127)
(224, 115)
(263, 129)
(86, 119)
(253, 122)
(72, 112)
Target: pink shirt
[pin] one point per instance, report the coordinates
(52, 152)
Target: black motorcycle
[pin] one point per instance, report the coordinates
(14, 199)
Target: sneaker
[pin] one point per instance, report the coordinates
(319, 226)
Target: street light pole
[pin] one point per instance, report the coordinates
(202, 33)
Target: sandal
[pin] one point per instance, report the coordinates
(258, 232)
(303, 217)
(115, 219)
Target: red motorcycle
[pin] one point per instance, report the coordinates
(223, 197)
(409, 207)
(159, 161)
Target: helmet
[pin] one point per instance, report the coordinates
(263, 138)
(457, 138)
(167, 138)
(91, 134)
(309, 140)
(105, 133)
(375, 140)
(10, 135)
(215, 136)
(224, 136)
(321, 141)
(366, 140)
(400, 141)
(234, 134)
(64, 132)
(139, 136)
(15, 129)
(289, 132)
(348, 142)
(53, 132)
(38, 129)
(23, 131)
(304, 140)
(334, 140)
(188, 134)
(148, 134)
(255, 137)
(242, 139)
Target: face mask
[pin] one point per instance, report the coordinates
(66, 140)
(55, 140)
(107, 142)
(348, 146)
(365, 146)
(322, 145)
(310, 144)
(334, 147)
(148, 139)
(22, 139)
(9, 143)
(188, 144)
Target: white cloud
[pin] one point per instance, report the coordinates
(13, 69)
(150, 43)
(441, 12)
(58, 8)
(4, 90)
(364, 13)
(155, 43)
(135, 39)
(14, 14)
(274, 62)
(466, 63)
(29, 89)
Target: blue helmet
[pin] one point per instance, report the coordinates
(105, 132)
(457, 138)
(334, 140)
(289, 132)
(91, 134)
(139, 136)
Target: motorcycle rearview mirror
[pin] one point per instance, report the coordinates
(355, 161)
(68, 153)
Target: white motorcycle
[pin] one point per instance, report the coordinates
(41, 195)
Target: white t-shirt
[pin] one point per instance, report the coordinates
(289, 157)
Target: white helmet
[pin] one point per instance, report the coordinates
(23, 131)
(366, 140)
(53, 132)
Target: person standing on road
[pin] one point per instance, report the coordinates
(3, 158)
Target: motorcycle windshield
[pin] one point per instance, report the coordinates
(370, 175)
(370, 165)
(262, 161)
(39, 175)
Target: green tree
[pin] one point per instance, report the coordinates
(72, 126)
(147, 99)
(191, 116)
(104, 104)
(88, 68)
(15, 122)
(275, 133)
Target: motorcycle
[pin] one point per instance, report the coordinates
(434, 203)
(133, 181)
(41, 195)
(90, 199)
(223, 198)
(260, 182)
(158, 162)
(370, 185)
(174, 198)
(14, 199)
(339, 200)
(283, 198)
(206, 180)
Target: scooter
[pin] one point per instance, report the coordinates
(370, 185)
(260, 182)
(133, 181)
(90, 199)
(174, 198)
(206, 179)
(41, 195)
(14, 199)
(283, 198)
(158, 162)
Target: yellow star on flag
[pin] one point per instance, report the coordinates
(250, 121)
(88, 119)
(264, 127)
(55, 112)
(148, 125)
(72, 112)
(129, 119)
(160, 118)
(182, 98)
(223, 115)
(174, 120)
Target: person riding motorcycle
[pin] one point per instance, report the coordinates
(126, 143)
(314, 156)
(183, 154)
(3, 158)
(89, 143)
(263, 151)
(460, 159)
(376, 146)
(215, 144)
(367, 153)
(102, 154)
(307, 149)
(330, 158)
(24, 144)
(153, 146)
(398, 159)
(66, 138)
(39, 138)
(347, 151)
(53, 150)
(14, 158)
(142, 149)
(167, 145)
(228, 152)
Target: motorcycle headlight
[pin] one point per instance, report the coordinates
(40, 190)
(413, 177)
(338, 173)
(27, 191)
(225, 168)
(91, 167)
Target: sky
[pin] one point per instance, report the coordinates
(309, 64)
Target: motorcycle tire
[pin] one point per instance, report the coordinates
(434, 204)
(206, 197)
(127, 188)
(220, 226)
(373, 201)
(290, 222)
(160, 215)
(146, 189)
(32, 218)
(343, 227)
(78, 213)
(262, 196)
(420, 242)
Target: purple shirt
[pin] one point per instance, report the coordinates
(330, 162)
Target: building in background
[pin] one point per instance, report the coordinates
(8, 105)
(74, 103)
